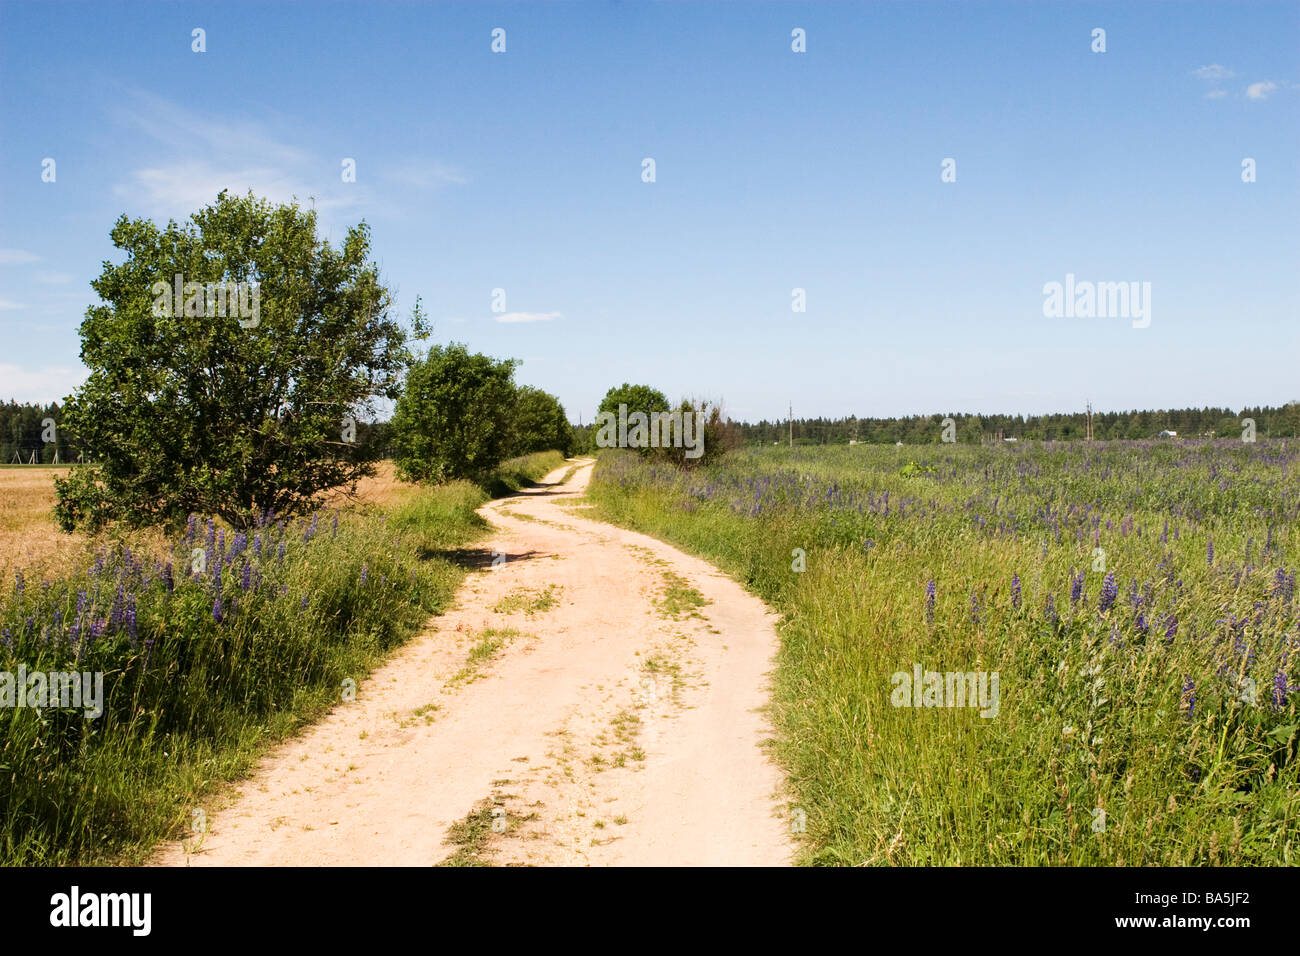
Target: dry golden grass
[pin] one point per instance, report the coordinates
(30, 539)
(383, 490)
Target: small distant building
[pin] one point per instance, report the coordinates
(1168, 434)
(1012, 438)
(853, 441)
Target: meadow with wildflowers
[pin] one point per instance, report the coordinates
(210, 651)
(1137, 599)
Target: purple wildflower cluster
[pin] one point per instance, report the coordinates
(122, 598)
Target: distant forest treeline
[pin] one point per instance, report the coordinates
(22, 431)
(22, 428)
(1270, 422)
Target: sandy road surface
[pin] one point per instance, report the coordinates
(604, 719)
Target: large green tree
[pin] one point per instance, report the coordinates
(637, 398)
(540, 423)
(455, 416)
(196, 405)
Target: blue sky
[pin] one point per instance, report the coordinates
(775, 170)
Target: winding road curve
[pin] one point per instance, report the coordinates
(612, 727)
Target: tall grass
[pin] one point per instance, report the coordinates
(231, 643)
(1153, 722)
(518, 472)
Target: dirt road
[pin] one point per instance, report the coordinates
(579, 705)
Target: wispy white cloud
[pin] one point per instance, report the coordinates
(201, 154)
(17, 257)
(53, 278)
(48, 384)
(178, 190)
(8, 305)
(1260, 91)
(1214, 72)
(1216, 94)
(526, 316)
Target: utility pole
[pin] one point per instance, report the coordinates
(1088, 433)
(792, 424)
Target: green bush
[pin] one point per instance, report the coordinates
(453, 419)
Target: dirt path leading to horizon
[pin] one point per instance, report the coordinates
(578, 703)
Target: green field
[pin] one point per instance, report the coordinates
(1136, 600)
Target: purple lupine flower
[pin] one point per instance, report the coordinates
(1109, 592)
(245, 579)
(334, 531)
(217, 613)
(81, 601)
(1076, 587)
(1279, 690)
(98, 628)
(1209, 553)
(189, 528)
(1140, 624)
(7, 639)
(1189, 695)
(131, 630)
(18, 582)
(304, 602)
(929, 601)
(1015, 591)
(167, 577)
(257, 545)
(1050, 609)
(280, 552)
(1171, 627)
(974, 608)
(365, 575)
(119, 606)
